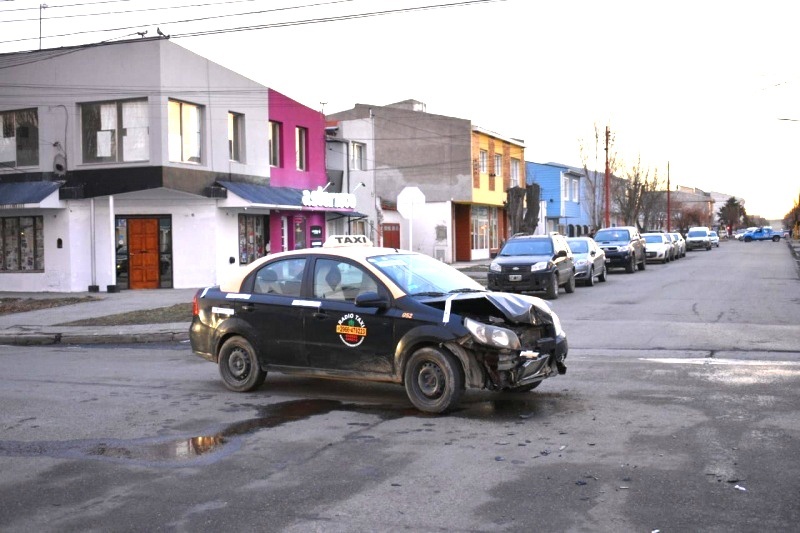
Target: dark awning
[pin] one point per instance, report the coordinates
(30, 194)
(270, 197)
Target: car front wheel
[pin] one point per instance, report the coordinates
(602, 276)
(238, 365)
(630, 268)
(552, 287)
(570, 286)
(434, 380)
(590, 279)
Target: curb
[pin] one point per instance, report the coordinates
(45, 339)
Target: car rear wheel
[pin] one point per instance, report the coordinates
(590, 279)
(570, 286)
(552, 287)
(774, 239)
(238, 365)
(602, 276)
(434, 380)
(643, 264)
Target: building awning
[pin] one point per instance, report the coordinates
(283, 198)
(30, 194)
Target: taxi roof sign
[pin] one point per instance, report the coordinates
(341, 241)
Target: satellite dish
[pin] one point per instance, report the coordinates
(60, 165)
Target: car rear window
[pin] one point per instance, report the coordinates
(654, 238)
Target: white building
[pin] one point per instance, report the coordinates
(118, 164)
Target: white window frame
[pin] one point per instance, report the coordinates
(236, 137)
(498, 165)
(482, 161)
(185, 132)
(301, 148)
(275, 133)
(514, 178)
(358, 159)
(564, 188)
(575, 190)
(115, 131)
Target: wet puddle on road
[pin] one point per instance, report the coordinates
(207, 449)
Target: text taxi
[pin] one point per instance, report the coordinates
(349, 310)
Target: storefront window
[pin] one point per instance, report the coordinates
(165, 252)
(22, 244)
(480, 227)
(253, 242)
(121, 244)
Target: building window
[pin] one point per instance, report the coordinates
(498, 165)
(253, 239)
(19, 143)
(514, 172)
(115, 131)
(22, 244)
(236, 137)
(482, 160)
(359, 151)
(185, 132)
(275, 143)
(484, 227)
(575, 190)
(565, 188)
(301, 147)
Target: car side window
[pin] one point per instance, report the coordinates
(283, 277)
(338, 280)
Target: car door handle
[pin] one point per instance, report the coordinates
(248, 307)
(320, 315)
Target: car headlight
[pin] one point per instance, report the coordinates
(492, 335)
(624, 248)
(541, 265)
(495, 267)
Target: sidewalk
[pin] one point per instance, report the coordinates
(40, 327)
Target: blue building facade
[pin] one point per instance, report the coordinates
(562, 196)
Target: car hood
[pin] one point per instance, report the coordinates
(516, 308)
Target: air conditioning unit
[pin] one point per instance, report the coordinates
(216, 191)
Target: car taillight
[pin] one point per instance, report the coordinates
(195, 306)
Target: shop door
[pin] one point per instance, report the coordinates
(143, 252)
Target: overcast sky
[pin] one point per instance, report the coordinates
(700, 85)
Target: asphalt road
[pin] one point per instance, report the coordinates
(678, 413)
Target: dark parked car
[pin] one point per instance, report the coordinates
(590, 260)
(624, 247)
(530, 263)
(375, 314)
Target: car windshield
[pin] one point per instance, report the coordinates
(612, 235)
(698, 233)
(579, 247)
(654, 238)
(527, 247)
(422, 275)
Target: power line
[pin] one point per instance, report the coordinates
(269, 26)
(65, 5)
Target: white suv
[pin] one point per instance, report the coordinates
(698, 237)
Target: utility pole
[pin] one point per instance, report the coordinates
(669, 214)
(607, 186)
(41, 6)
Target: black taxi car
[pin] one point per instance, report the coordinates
(352, 311)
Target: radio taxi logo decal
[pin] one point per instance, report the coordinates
(351, 330)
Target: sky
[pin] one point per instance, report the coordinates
(709, 89)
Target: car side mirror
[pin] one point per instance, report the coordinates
(593, 253)
(371, 299)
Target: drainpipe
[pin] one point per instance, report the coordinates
(93, 287)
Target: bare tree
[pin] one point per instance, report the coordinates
(594, 198)
(523, 208)
(630, 194)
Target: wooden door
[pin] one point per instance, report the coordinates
(143, 252)
(391, 235)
